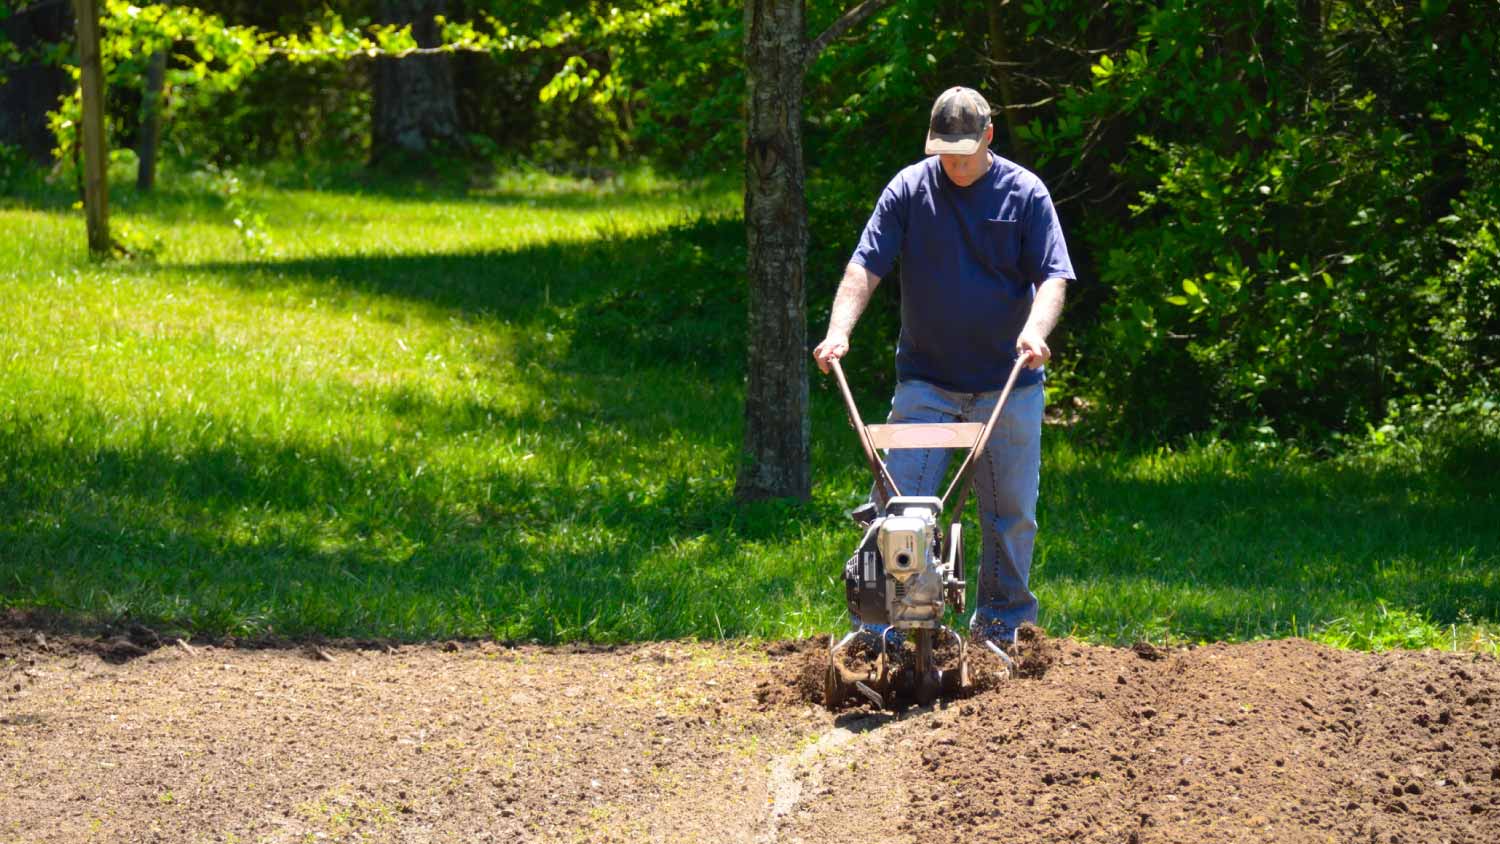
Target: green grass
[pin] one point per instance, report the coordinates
(516, 412)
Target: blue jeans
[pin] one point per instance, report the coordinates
(1006, 481)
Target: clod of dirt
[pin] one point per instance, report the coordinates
(785, 647)
(119, 649)
(859, 660)
(986, 671)
(1148, 651)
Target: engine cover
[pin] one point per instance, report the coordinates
(897, 576)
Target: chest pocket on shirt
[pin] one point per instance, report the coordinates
(1002, 245)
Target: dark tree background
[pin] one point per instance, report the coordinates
(33, 86)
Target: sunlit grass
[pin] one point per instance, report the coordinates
(515, 412)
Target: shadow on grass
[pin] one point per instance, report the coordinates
(253, 535)
(1245, 548)
(623, 527)
(249, 535)
(669, 298)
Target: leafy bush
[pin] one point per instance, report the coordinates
(1309, 226)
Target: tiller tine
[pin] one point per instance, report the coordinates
(1010, 664)
(895, 676)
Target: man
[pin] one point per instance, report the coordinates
(984, 272)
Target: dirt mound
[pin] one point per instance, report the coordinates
(796, 674)
(1032, 655)
(1273, 741)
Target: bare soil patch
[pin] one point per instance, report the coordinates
(1272, 741)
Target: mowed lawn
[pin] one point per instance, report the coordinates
(516, 413)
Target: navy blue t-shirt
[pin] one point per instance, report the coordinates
(971, 259)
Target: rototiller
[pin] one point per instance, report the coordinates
(907, 571)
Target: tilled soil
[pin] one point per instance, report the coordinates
(129, 738)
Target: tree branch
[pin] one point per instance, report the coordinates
(336, 52)
(1023, 106)
(1081, 51)
(1068, 199)
(847, 21)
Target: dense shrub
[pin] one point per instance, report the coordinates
(1308, 230)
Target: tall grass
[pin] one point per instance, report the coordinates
(516, 413)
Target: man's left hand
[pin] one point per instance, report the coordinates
(1032, 341)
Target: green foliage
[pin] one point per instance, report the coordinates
(869, 93)
(216, 58)
(1459, 440)
(1310, 218)
(666, 78)
(672, 76)
(1384, 629)
(9, 53)
(211, 59)
(244, 214)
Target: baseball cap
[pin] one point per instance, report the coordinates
(959, 118)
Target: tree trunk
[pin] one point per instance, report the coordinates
(150, 140)
(31, 90)
(415, 107)
(95, 184)
(1015, 148)
(776, 397)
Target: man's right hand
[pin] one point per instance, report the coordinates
(833, 347)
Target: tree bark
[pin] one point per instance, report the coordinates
(32, 89)
(415, 106)
(150, 140)
(777, 428)
(95, 183)
(1015, 148)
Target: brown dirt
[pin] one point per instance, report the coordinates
(127, 737)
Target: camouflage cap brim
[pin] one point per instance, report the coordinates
(953, 144)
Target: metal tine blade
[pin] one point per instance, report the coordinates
(1010, 664)
(870, 693)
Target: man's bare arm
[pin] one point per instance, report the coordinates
(850, 301)
(1046, 309)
